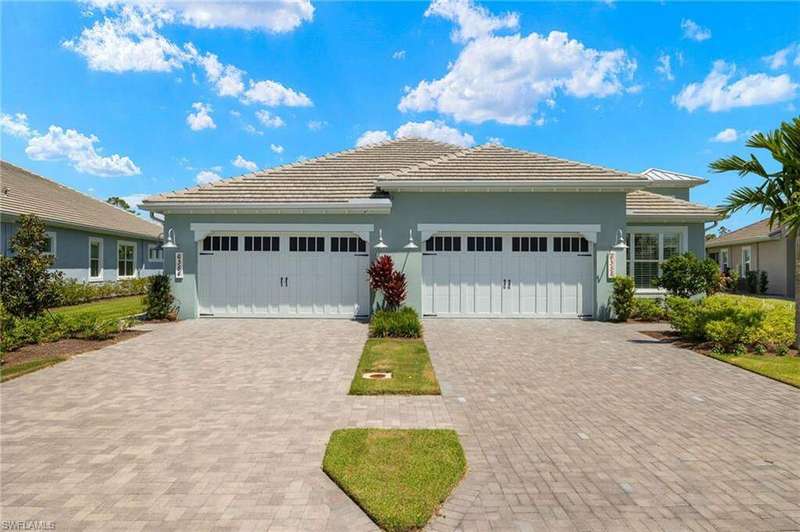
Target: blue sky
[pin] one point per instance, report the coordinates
(134, 98)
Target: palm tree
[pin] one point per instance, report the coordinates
(778, 194)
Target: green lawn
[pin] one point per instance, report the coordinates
(28, 367)
(408, 361)
(398, 477)
(785, 369)
(118, 307)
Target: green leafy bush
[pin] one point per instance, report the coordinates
(648, 309)
(733, 322)
(401, 323)
(159, 299)
(763, 282)
(686, 275)
(46, 328)
(622, 297)
(72, 292)
(751, 281)
(26, 281)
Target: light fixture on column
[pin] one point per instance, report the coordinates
(621, 245)
(170, 243)
(381, 244)
(411, 244)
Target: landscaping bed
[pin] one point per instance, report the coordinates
(32, 357)
(115, 308)
(398, 477)
(407, 360)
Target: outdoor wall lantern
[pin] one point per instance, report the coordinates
(411, 245)
(381, 244)
(170, 243)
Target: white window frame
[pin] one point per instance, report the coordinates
(96, 240)
(154, 246)
(727, 262)
(121, 243)
(660, 230)
(53, 241)
(742, 270)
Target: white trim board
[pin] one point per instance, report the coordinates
(354, 206)
(202, 230)
(589, 231)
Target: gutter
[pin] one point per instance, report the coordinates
(353, 206)
(511, 185)
(87, 228)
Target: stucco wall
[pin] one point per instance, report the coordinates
(72, 252)
(410, 209)
(776, 257)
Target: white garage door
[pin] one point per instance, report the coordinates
(263, 275)
(507, 275)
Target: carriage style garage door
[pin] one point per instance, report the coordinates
(507, 275)
(252, 275)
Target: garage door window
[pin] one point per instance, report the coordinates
(536, 244)
(262, 243)
(484, 243)
(570, 244)
(221, 243)
(306, 244)
(443, 243)
(344, 244)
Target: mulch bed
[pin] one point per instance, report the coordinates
(704, 348)
(63, 348)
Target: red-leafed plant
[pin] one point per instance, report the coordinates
(384, 279)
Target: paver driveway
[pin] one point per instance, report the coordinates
(566, 425)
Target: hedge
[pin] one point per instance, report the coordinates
(72, 292)
(401, 323)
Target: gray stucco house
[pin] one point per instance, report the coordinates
(484, 231)
(90, 240)
(758, 247)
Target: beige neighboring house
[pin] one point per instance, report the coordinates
(758, 247)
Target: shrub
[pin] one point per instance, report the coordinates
(684, 316)
(622, 297)
(45, 328)
(400, 323)
(647, 309)
(686, 275)
(72, 292)
(384, 279)
(159, 299)
(26, 283)
(763, 282)
(751, 281)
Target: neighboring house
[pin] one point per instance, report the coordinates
(89, 239)
(758, 247)
(484, 231)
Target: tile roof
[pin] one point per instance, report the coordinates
(336, 177)
(24, 192)
(750, 233)
(492, 161)
(644, 204)
(670, 178)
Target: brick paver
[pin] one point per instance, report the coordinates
(221, 424)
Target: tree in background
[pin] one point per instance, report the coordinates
(779, 192)
(27, 286)
(121, 203)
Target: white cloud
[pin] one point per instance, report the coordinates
(471, 21)
(241, 162)
(80, 151)
(664, 67)
(506, 78)
(316, 125)
(129, 42)
(273, 16)
(253, 130)
(782, 57)
(16, 125)
(726, 135)
(717, 94)
(372, 137)
(272, 94)
(494, 140)
(134, 200)
(276, 148)
(435, 130)
(204, 177)
(269, 119)
(201, 118)
(227, 79)
(399, 55)
(692, 30)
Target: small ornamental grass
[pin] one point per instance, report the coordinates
(398, 477)
(400, 323)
